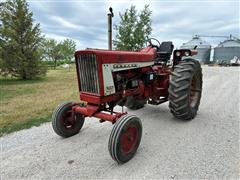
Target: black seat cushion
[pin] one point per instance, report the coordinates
(165, 51)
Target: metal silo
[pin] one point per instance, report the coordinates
(227, 50)
(203, 48)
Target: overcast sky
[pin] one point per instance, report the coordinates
(86, 21)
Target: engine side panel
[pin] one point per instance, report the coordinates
(108, 69)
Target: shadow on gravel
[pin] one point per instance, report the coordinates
(160, 113)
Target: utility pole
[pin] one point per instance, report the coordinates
(110, 16)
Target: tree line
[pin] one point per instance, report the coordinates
(25, 53)
(58, 52)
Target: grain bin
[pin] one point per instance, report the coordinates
(227, 50)
(203, 48)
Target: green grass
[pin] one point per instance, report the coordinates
(27, 103)
(28, 123)
(8, 93)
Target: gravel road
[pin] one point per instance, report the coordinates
(207, 147)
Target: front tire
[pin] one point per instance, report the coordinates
(125, 138)
(63, 123)
(185, 89)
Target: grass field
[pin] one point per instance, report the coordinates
(29, 103)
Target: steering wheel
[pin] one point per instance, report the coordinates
(149, 40)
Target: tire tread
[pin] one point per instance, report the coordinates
(179, 88)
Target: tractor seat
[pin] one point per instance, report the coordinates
(165, 51)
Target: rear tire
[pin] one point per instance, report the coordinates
(134, 104)
(63, 123)
(185, 89)
(125, 138)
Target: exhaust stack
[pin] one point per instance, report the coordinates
(110, 16)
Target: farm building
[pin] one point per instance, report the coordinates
(227, 50)
(203, 48)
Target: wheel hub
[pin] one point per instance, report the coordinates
(128, 139)
(68, 120)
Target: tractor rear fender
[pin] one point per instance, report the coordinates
(178, 54)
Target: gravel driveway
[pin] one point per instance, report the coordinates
(207, 147)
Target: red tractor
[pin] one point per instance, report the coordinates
(132, 79)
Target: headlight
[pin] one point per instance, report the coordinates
(187, 53)
(178, 53)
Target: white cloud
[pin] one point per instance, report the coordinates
(86, 22)
(55, 36)
(62, 22)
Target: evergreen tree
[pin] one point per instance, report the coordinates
(133, 29)
(20, 41)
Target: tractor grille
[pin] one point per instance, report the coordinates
(88, 73)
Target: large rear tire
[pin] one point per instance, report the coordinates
(63, 123)
(185, 89)
(125, 138)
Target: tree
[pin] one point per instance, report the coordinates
(54, 51)
(20, 40)
(68, 47)
(133, 29)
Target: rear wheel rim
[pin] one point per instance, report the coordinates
(194, 92)
(128, 139)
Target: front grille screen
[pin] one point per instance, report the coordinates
(88, 73)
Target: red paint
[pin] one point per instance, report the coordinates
(88, 110)
(98, 104)
(106, 57)
(128, 139)
(97, 111)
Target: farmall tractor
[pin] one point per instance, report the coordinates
(109, 78)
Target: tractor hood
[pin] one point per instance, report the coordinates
(107, 56)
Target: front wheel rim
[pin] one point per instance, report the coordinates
(68, 120)
(128, 139)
